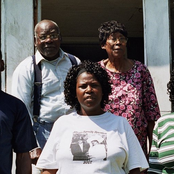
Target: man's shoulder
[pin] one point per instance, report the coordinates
(11, 103)
(8, 97)
(74, 59)
(169, 117)
(25, 64)
(26, 60)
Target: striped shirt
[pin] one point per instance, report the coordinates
(161, 159)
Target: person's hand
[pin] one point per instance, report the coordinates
(34, 155)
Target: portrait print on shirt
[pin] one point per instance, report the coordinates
(88, 146)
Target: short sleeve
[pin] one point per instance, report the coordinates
(161, 155)
(136, 157)
(23, 135)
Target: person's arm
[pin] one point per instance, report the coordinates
(23, 163)
(23, 82)
(150, 127)
(150, 105)
(49, 171)
(135, 171)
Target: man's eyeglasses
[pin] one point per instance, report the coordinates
(53, 36)
(120, 39)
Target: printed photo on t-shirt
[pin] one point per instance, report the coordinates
(89, 146)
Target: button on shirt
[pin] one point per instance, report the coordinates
(53, 76)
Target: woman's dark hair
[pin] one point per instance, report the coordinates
(170, 87)
(109, 27)
(71, 80)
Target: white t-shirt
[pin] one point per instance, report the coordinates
(92, 144)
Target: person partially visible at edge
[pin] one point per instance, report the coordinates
(70, 147)
(133, 93)
(16, 134)
(161, 159)
(55, 64)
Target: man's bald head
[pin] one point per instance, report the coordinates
(44, 22)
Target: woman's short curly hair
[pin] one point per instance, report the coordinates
(170, 87)
(71, 80)
(109, 27)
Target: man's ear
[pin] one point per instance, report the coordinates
(35, 42)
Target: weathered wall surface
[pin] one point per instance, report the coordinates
(157, 47)
(16, 34)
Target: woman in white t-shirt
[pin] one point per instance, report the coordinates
(89, 140)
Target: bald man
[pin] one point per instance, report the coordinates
(55, 64)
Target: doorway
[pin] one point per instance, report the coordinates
(79, 22)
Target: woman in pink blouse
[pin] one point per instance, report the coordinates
(133, 94)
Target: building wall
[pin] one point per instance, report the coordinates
(157, 47)
(16, 35)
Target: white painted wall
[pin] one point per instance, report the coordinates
(157, 47)
(16, 34)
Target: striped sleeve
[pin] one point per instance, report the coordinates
(162, 150)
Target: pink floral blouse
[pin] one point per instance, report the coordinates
(133, 97)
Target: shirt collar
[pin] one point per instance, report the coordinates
(39, 57)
